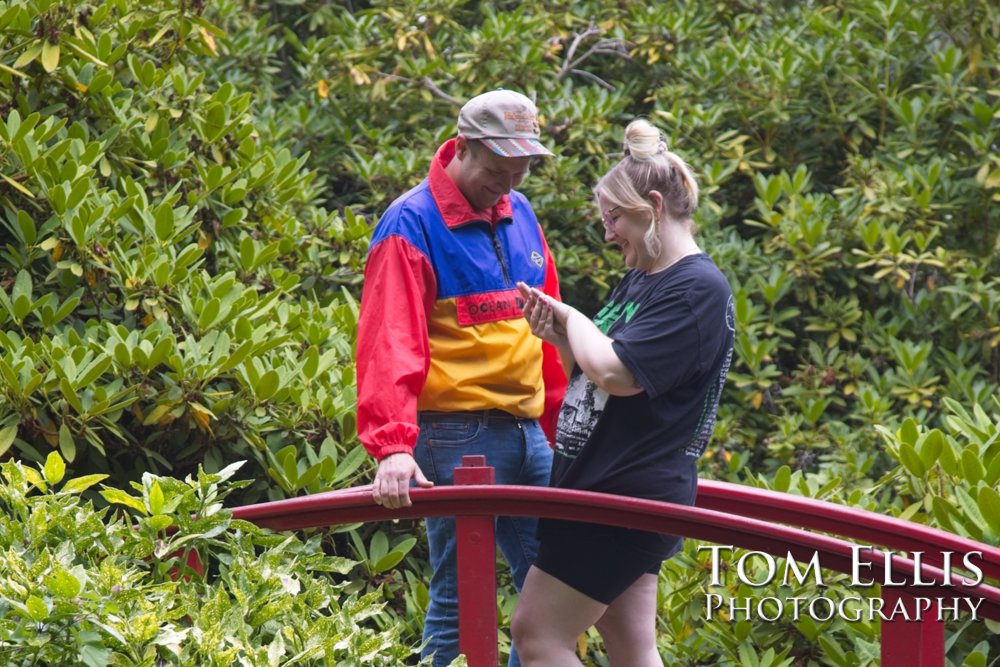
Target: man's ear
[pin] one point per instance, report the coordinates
(461, 147)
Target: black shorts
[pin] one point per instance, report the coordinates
(601, 562)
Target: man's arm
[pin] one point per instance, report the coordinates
(393, 356)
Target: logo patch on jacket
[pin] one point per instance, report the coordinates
(537, 258)
(491, 307)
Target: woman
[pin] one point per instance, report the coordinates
(645, 379)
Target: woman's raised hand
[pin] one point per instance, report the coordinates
(545, 315)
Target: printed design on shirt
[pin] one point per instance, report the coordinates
(490, 307)
(582, 407)
(612, 312)
(537, 259)
(710, 408)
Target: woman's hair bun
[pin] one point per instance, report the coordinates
(643, 141)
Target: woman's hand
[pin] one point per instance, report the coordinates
(545, 315)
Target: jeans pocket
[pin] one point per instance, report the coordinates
(450, 433)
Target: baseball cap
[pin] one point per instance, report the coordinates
(505, 121)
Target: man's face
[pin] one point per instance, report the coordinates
(484, 177)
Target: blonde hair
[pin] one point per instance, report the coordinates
(648, 165)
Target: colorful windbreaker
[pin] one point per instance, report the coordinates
(441, 325)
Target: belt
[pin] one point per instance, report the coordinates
(494, 414)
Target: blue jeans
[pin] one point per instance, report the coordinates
(520, 454)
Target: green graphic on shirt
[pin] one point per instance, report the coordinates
(612, 312)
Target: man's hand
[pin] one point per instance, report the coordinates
(391, 487)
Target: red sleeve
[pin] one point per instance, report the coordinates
(393, 353)
(553, 374)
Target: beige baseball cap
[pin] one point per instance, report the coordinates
(505, 121)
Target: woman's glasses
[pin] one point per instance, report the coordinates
(608, 220)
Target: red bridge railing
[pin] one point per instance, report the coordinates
(725, 514)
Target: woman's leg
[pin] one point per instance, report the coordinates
(549, 618)
(628, 626)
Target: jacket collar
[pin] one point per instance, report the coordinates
(454, 207)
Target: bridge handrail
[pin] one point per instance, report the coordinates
(851, 522)
(720, 527)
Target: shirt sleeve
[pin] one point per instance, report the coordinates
(393, 351)
(661, 347)
(553, 375)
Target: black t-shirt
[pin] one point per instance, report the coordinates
(674, 331)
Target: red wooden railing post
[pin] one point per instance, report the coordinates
(477, 581)
(914, 643)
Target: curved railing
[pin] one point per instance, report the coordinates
(725, 514)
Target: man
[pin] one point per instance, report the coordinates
(447, 364)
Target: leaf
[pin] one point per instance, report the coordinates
(95, 370)
(908, 457)
(157, 415)
(63, 584)
(7, 436)
(95, 656)
(202, 416)
(22, 286)
(782, 479)
(387, 562)
(119, 497)
(55, 468)
(80, 484)
(209, 314)
(155, 498)
(908, 432)
(164, 221)
(66, 443)
(989, 505)
(209, 41)
(36, 608)
(748, 658)
(972, 465)
(310, 363)
(379, 546)
(268, 384)
(28, 55)
(248, 250)
(350, 463)
(930, 447)
(8, 16)
(122, 355)
(17, 186)
(50, 56)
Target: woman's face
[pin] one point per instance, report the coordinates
(627, 230)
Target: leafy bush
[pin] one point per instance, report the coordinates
(81, 586)
(169, 295)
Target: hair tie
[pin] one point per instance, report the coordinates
(661, 147)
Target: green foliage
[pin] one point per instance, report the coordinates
(186, 194)
(169, 294)
(80, 586)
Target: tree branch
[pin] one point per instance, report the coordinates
(607, 47)
(426, 83)
(593, 77)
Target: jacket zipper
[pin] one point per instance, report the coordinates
(499, 251)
